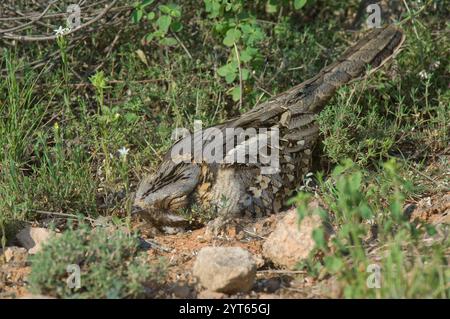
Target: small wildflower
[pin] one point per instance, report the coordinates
(423, 75)
(435, 65)
(61, 31)
(123, 151)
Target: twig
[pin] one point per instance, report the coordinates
(60, 15)
(53, 37)
(154, 151)
(275, 271)
(182, 45)
(109, 49)
(158, 246)
(424, 175)
(43, 212)
(240, 74)
(23, 26)
(86, 84)
(253, 234)
(412, 20)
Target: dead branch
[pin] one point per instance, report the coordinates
(23, 26)
(10, 36)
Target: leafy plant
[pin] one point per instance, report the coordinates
(233, 21)
(110, 263)
(164, 19)
(365, 214)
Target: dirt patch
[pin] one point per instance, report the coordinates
(180, 251)
(13, 279)
(434, 209)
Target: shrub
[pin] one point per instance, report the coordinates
(111, 265)
(374, 238)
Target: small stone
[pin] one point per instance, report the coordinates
(208, 294)
(271, 285)
(268, 296)
(32, 238)
(182, 292)
(225, 269)
(36, 297)
(290, 242)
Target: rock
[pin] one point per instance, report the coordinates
(15, 254)
(36, 297)
(182, 292)
(225, 269)
(259, 260)
(268, 296)
(32, 238)
(271, 285)
(290, 242)
(208, 294)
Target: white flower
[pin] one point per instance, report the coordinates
(61, 31)
(423, 75)
(123, 151)
(435, 65)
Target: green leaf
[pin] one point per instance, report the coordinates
(236, 93)
(333, 264)
(245, 74)
(232, 36)
(230, 77)
(146, 3)
(158, 34)
(252, 33)
(229, 68)
(163, 23)
(431, 230)
(213, 8)
(164, 9)
(247, 54)
(298, 4)
(131, 117)
(150, 16)
(365, 211)
(149, 37)
(176, 26)
(176, 12)
(171, 9)
(219, 27)
(271, 6)
(319, 238)
(224, 70)
(137, 15)
(168, 41)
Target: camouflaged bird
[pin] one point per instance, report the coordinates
(229, 190)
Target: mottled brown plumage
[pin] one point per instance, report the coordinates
(229, 190)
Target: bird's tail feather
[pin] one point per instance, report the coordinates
(370, 53)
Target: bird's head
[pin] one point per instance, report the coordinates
(161, 196)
